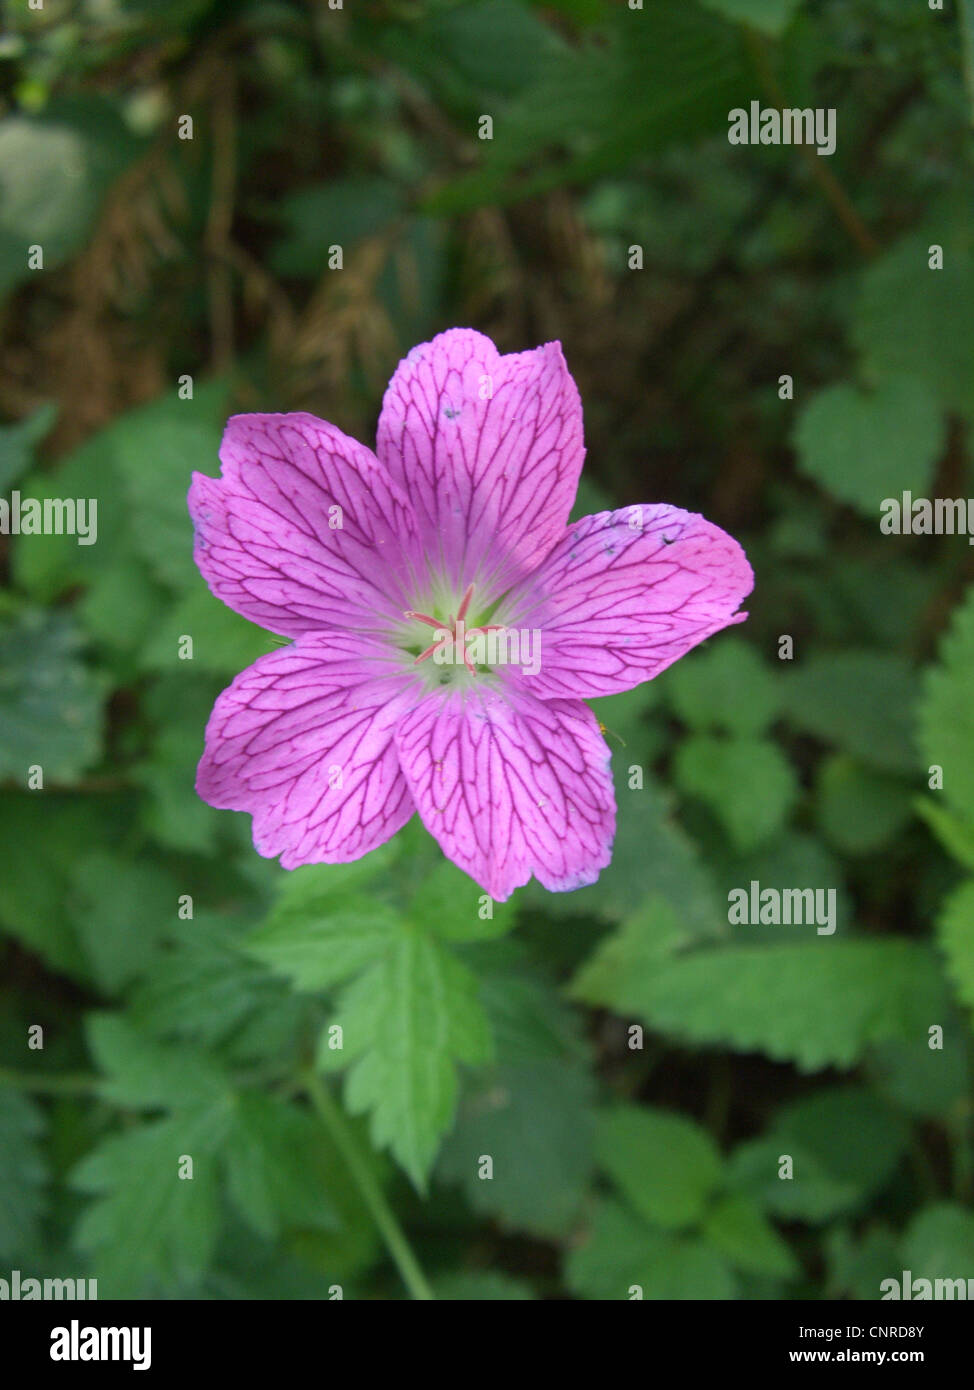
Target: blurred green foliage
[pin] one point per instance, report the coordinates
(635, 1066)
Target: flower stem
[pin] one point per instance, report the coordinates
(392, 1233)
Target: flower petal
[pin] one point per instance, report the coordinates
(492, 478)
(625, 594)
(299, 721)
(270, 544)
(511, 788)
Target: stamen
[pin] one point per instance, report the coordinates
(465, 603)
(423, 618)
(434, 648)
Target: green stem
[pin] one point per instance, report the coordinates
(65, 1084)
(382, 1214)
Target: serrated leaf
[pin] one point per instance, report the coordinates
(22, 1163)
(318, 944)
(748, 783)
(407, 1021)
(724, 686)
(955, 937)
(146, 1226)
(818, 1004)
(844, 1144)
(274, 1170)
(120, 910)
(861, 702)
(625, 963)
(946, 712)
(736, 1227)
(50, 703)
(621, 1256)
(939, 1244)
(535, 1122)
(863, 447)
(142, 1074)
(663, 1163)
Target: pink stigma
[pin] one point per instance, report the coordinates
(452, 624)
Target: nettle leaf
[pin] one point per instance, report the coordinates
(748, 783)
(832, 999)
(861, 702)
(120, 910)
(946, 712)
(275, 1171)
(44, 835)
(914, 320)
(148, 1226)
(844, 1144)
(859, 809)
(406, 1022)
(863, 447)
(665, 1164)
(534, 1120)
(724, 686)
(955, 937)
(670, 76)
(50, 702)
(22, 1192)
(532, 1113)
(622, 1256)
(623, 967)
(738, 1229)
(939, 1243)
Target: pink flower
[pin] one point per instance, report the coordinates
(459, 517)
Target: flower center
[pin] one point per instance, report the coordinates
(450, 646)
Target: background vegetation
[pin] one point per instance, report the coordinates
(209, 257)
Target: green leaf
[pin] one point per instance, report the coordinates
(663, 1163)
(771, 17)
(451, 904)
(946, 712)
(535, 1122)
(147, 1226)
(321, 944)
(738, 1229)
(275, 1171)
(655, 78)
(120, 910)
(481, 1286)
(859, 810)
(844, 1144)
(50, 703)
(407, 1021)
(860, 702)
(911, 320)
(956, 835)
(831, 998)
(724, 686)
(939, 1243)
(342, 212)
(17, 443)
(222, 641)
(54, 171)
(863, 447)
(22, 1195)
(955, 937)
(748, 783)
(624, 965)
(622, 1257)
(142, 1074)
